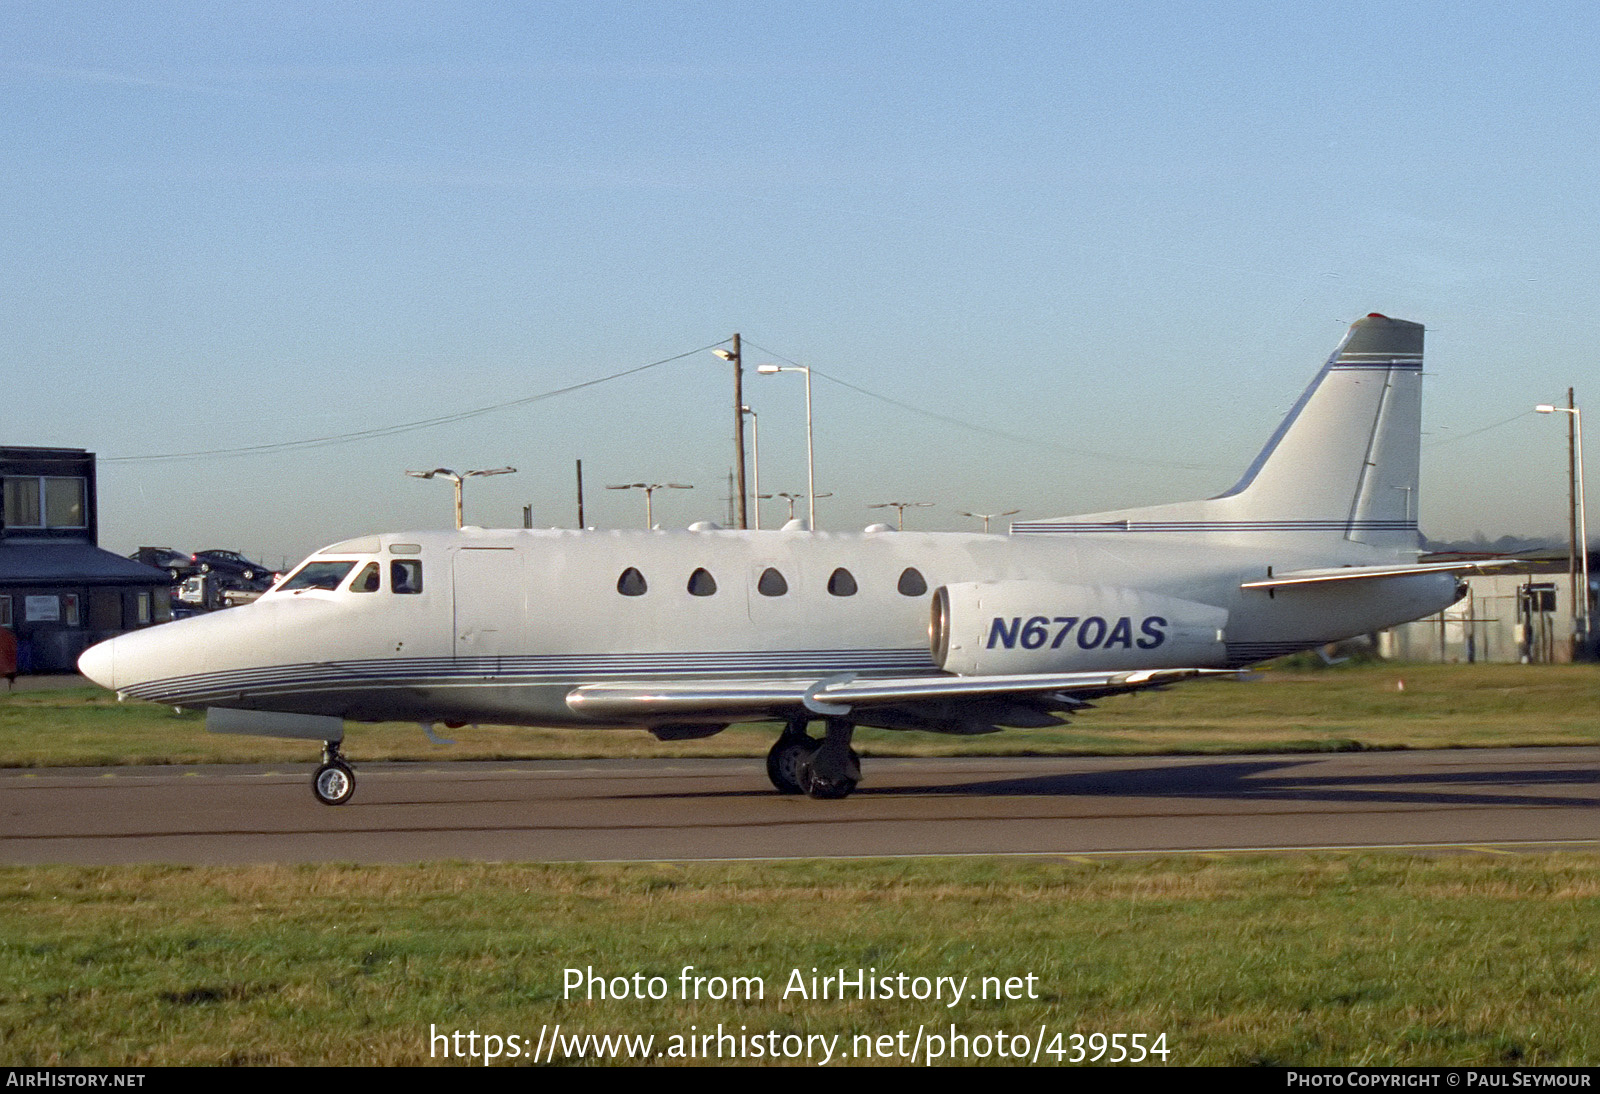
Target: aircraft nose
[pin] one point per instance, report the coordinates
(99, 663)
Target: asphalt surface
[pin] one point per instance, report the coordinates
(600, 810)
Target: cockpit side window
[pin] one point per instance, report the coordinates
(367, 580)
(318, 575)
(405, 575)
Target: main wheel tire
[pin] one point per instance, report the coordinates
(820, 789)
(785, 760)
(333, 783)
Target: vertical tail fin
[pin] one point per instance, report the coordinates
(1343, 463)
(1347, 454)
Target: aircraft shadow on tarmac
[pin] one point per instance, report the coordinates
(1258, 780)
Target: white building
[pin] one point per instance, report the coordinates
(1523, 616)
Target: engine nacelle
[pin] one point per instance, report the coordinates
(1010, 627)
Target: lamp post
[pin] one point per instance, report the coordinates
(900, 508)
(1580, 605)
(811, 465)
(457, 477)
(987, 517)
(650, 489)
(755, 458)
(792, 498)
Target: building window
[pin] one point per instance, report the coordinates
(141, 616)
(701, 583)
(840, 583)
(911, 582)
(22, 503)
(771, 583)
(631, 583)
(45, 502)
(5, 611)
(69, 609)
(63, 503)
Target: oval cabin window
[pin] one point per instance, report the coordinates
(911, 582)
(771, 583)
(701, 583)
(631, 583)
(840, 583)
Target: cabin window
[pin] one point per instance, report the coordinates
(405, 576)
(367, 580)
(318, 575)
(771, 583)
(911, 582)
(840, 583)
(701, 583)
(631, 583)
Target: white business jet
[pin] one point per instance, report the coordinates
(684, 633)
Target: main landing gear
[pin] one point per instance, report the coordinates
(801, 764)
(334, 781)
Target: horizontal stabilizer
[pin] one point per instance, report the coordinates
(1369, 573)
(839, 695)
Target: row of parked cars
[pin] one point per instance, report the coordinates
(207, 580)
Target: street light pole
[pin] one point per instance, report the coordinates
(987, 517)
(1580, 605)
(811, 463)
(457, 478)
(900, 508)
(650, 489)
(792, 498)
(755, 453)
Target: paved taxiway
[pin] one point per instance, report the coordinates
(715, 809)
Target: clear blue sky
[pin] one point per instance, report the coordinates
(1116, 239)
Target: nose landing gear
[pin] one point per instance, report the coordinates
(335, 781)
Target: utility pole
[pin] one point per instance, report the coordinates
(1572, 520)
(580, 496)
(733, 357)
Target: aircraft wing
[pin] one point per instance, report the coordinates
(1369, 573)
(839, 695)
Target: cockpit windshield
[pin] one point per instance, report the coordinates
(317, 575)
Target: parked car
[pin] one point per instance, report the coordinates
(176, 563)
(231, 564)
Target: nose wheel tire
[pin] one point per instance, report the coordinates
(333, 783)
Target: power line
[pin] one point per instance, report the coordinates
(403, 427)
(1484, 429)
(1031, 442)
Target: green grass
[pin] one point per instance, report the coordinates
(1370, 959)
(1296, 710)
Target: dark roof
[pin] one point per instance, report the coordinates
(72, 563)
